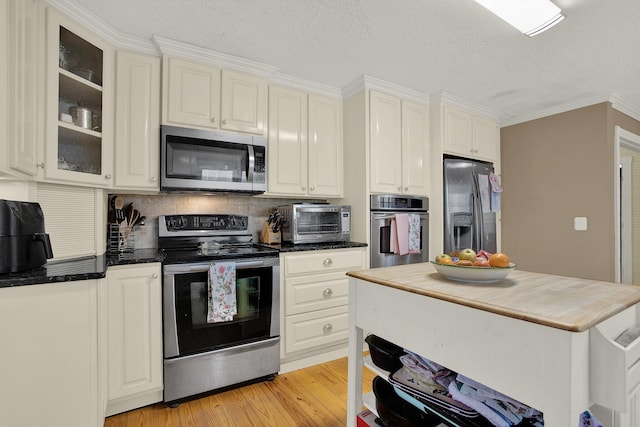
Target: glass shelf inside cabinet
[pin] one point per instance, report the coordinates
(80, 98)
(78, 151)
(80, 57)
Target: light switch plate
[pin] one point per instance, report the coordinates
(580, 223)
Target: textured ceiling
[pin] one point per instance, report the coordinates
(430, 46)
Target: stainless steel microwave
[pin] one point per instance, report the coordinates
(201, 160)
(315, 223)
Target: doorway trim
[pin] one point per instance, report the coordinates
(623, 138)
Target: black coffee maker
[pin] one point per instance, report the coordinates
(23, 242)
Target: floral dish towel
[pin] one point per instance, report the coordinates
(222, 292)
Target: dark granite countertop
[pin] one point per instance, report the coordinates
(290, 247)
(95, 267)
(83, 268)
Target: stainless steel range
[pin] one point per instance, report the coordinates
(205, 349)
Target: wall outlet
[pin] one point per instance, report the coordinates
(580, 223)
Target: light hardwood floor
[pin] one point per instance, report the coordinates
(310, 397)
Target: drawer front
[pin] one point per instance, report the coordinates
(318, 329)
(305, 294)
(323, 261)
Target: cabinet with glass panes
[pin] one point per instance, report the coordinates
(79, 85)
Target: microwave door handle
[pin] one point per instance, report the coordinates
(252, 163)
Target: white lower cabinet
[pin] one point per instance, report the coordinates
(49, 359)
(315, 299)
(134, 331)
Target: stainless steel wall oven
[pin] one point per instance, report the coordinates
(384, 209)
(200, 355)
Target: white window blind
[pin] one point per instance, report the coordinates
(70, 219)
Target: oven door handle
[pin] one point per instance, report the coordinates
(201, 267)
(379, 216)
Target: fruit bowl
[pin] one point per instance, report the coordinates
(471, 274)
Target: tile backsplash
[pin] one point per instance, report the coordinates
(151, 206)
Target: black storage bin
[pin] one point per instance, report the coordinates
(384, 354)
(394, 411)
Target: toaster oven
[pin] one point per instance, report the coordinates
(315, 223)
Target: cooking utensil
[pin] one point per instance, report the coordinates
(140, 220)
(82, 117)
(116, 205)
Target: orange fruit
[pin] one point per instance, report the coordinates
(464, 262)
(499, 260)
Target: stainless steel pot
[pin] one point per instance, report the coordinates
(81, 116)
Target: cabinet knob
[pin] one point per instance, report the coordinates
(304, 188)
(406, 188)
(312, 188)
(107, 176)
(327, 262)
(327, 292)
(154, 179)
(154, 276)
(214, 119)
(224, 122)
(327, 328)
(40, 165)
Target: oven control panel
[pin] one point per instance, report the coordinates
(173, 223)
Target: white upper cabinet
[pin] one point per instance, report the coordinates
(305, 144)
(244, 103)
(469, 135)
(399, 154)
(325, 147)
(192, 93)
(137, 121)
(202, 95)
(79, 122)
(20, 87)
(288, 149)
(415, 149)
(385, 143)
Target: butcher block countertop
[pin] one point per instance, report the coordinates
(560, 302)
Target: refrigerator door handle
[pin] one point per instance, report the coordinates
(479, 219)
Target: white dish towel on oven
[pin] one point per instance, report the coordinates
(223, 304)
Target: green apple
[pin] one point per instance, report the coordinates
(468, 254)
(444, 259)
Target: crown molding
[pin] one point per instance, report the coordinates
(73, 10)
(370, 82)
(305, 85)
(621, 105)
(614, 98)
(188, 51)
(472, 107)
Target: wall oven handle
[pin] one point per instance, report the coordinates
(378, 216)
(200, 267)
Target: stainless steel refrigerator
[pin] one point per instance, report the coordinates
(469, 205)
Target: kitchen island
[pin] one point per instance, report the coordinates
(527, 336)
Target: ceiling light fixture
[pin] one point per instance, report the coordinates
(531, 17)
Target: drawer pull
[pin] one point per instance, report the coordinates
(327, 292)
(327, 328)
(327, 262)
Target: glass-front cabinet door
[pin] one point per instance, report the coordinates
(79, 98)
